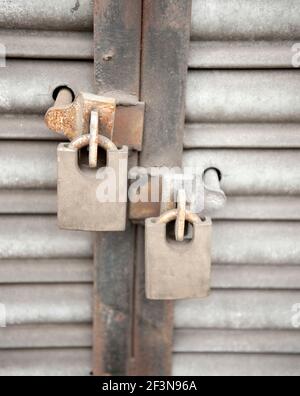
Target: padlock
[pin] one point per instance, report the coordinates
(177, 270)
(79, 205)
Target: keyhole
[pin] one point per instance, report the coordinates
(188, 231)
(83, 160)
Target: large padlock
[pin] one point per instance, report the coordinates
(177, 270)
(82, 203)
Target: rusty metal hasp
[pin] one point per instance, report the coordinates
(121, 123)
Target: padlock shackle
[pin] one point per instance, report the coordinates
(84, 140)
(171, 215)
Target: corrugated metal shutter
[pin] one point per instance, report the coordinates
(243, 117)
(45, 273)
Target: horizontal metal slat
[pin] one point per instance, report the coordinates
(223, 309)
(46, 271)
(245, 19)
(256, 242)
(46, 362)
(36, 44)
(40, 237)
(236, 208)
(241, 54)
(33, 304)
(243, 96)
(28, 202)
(260, 208)
(234, 309)
(235, 341)
(28, 165)
(81, 271)
(234, 242)
(256, 277)
(241, 135)
(250, 172)
(42, 14)
(26, 127)
(234, 365)
(33, 94)
(46, 336)
(185, 341)
(32, 165)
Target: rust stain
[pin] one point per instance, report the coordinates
(73, 120)
(124, 125)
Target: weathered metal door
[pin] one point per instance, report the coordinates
(46, 279)
(242, 118)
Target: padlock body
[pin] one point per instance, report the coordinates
(79, 207)
(177, 270)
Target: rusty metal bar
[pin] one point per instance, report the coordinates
(166, 35)
(117, 37)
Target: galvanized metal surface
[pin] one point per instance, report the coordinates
(71, 362)
(34, 94)
(239, 309)
(76, 362)
(261, 208)
(14, 271)
(251, 115)
(229, 276)
(241, 54)
(250, 172)
(38, 304)
(241, 135)
(236, 208)
(269, 261)
(236, 341)
(185, 341)
(71, 15)
(41, 44)
(28, 202)
(256, 242)
(244, 365)
(25, 127)
(27, 165)
(39, 237)
(224, 309)
(46, 336)
(243, 96)
(245, 19)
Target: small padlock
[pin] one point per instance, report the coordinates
(79, 205)
(177, 270)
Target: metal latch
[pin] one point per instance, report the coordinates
(123, 124)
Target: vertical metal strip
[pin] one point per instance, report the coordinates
(142, 346)
(165, 44)
(117, 35)
(166, 40)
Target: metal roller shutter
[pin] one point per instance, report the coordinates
(45, 273)
(243, 118)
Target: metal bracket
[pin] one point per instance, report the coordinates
(207, 200)
(123, 124)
